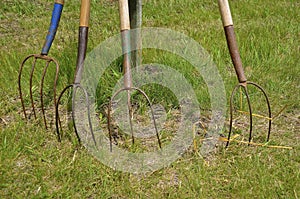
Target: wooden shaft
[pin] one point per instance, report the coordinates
(125, 37)
(60, 2)
(225, 13)
(85, 13)
(231, 40)
(124, 15)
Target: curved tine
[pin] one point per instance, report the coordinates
(130, 114)
(109, 115)
(108, 124)
(152, 112)
(73, 113)
(269, 107)
(88, 109)
(30, 86)
(19, 83)
(57, 119)
(41, 92)
(231, 113)
(54, 86)
(55, 80)
(250, 112)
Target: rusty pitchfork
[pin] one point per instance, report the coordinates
(56, 14)
(237, 63)
(128, 87)
(82, 46)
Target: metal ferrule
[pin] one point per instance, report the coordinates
(125, 34)
(82, 46)
(234, 53)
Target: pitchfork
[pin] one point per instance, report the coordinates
(56, 13)
(237, 63)
(125, 37)
(82, 46)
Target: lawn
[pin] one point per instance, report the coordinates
(33, 164)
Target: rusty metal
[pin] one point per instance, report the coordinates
(237, 63)
(81, 53)
(128, 87)
(56, 14)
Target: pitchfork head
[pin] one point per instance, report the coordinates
(56, 14)
(81, 53)
(48, 61)
(75, 88)
(130, 113)
(244, 87)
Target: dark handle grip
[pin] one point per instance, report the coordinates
(234, 53)
(82, 38)
(231, 40)
(135, 13)
(56, 14)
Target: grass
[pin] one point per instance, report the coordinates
(34, 165)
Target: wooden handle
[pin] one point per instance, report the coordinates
(225, 13)
(231, 40)
(85, 13)
(124, 15)
(125, 34)
(60, 2)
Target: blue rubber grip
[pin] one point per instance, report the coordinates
(56, 13)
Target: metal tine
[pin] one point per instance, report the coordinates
(237, 63)
(82, 46)
(56, 15)
(125, 34)
(54, 88)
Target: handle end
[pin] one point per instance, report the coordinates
(124, 14)
(225, 13)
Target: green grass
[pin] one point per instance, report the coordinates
(34, 165)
